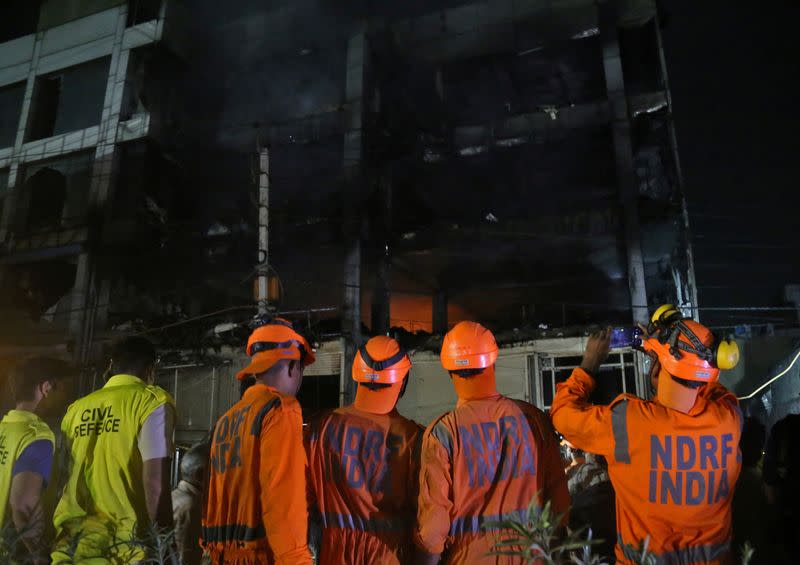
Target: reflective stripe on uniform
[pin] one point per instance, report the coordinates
(441, 433)
(685, 556)
(376, 525)
(233, 532)
(619, 425)
(259, 421)
(477, 524)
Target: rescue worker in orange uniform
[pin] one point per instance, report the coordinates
(256, 507)
(674, 460)
(483, 462)
(364, 465)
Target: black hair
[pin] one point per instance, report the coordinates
(687, 383)
(467, 373)
(133, 356)
(375, 386)
(30, 373)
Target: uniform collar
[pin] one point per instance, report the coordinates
(462, 401)
(21, 416)
(122, 380)
(259, 388)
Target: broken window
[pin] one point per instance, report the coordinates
(36, 291)
(69, 100)
(55, 193)
(18, 18)
(10, 107)
(135, 176)
(140, 11)
(48, 190)
(134, 99)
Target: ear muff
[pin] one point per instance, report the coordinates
(665, 315)
(726, 354)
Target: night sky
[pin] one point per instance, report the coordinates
(734, 73)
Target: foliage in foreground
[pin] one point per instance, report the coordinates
(535, 537)
(158, 547)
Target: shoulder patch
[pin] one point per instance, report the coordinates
(619, 427)
(439, 430)
(161, 395)
(623, 398)
(258, 422)
(41, 430)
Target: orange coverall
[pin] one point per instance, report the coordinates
(364, 471)
(673, 473)
(483, 462)
(255, 509)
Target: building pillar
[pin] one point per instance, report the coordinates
(688, 296)
(440, 322)
(623, 149)
(355, 84)
(101, 188)
(381, 296)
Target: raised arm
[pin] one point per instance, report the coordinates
(583, 424)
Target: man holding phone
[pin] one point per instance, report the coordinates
(673, 460)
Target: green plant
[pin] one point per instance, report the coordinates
(747, 553)
(157, 546)
(535, 536)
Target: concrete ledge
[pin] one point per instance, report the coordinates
(56, 146)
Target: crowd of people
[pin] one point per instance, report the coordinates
(679, 474)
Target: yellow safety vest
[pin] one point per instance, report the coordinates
(18, 429)
(103, 506)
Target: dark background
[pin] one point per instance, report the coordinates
(734, 77)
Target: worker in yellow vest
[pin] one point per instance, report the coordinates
(119, 442)
(26, 458)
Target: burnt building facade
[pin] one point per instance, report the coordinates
(84, 116)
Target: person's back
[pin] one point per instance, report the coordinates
(255, 508)
(187, 504)
(26, 459)
(364, 473)
(118, 441)
(364, 464)
(500, 457)
(673, 462)
(483, 462)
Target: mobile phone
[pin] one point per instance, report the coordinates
(625, 337)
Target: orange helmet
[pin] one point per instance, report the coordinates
(271, 342)
(468, 346)
(687, 349)
(472, 348)
(382, 361)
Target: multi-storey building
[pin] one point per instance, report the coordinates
(78, 105)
